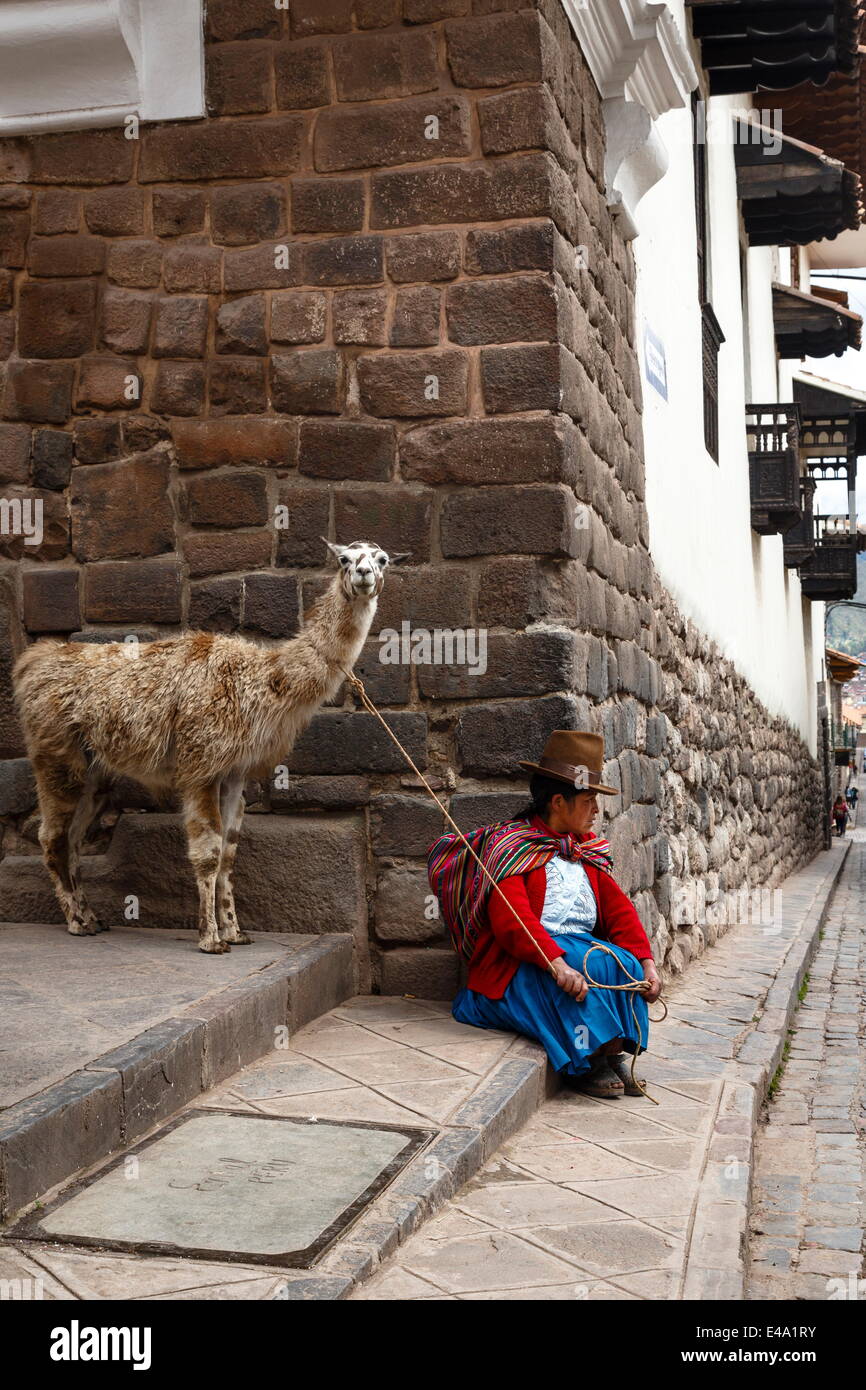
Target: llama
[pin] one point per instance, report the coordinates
(196, 715)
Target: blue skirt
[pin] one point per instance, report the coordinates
(569, 1032)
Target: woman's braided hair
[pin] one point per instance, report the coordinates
(542, 790)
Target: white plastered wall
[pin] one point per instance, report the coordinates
(71, 64)
(729, 580)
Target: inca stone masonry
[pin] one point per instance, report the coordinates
(379, 287)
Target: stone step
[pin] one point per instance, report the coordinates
(108, 1036)
(285, 864)
(304, 1170)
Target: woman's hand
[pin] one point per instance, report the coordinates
(652, 976)
(570, 980)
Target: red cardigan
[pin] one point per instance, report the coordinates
(503, 945)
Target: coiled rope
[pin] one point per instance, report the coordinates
(632, 986)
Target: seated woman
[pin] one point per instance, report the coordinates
(528, 954)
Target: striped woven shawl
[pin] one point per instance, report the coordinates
(512, 847)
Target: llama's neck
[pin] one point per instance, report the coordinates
(335, 631)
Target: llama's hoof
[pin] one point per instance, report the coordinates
(214, 948)
(242, 939)
(79, 927)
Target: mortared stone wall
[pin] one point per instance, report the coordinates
(377, 291)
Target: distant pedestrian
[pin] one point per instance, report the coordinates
(840, 814)
(851, 795)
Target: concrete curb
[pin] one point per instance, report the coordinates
(715, 1267)
(117, 1098)
(504, 1100)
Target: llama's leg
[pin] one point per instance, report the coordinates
(232, 812)
(59, 787)
(201, 813)
(87, 812)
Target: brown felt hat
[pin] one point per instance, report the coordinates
(573, 757)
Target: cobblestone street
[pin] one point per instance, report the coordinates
(807, 1222)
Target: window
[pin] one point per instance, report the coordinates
(712, 336)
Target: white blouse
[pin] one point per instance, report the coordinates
(569, 902)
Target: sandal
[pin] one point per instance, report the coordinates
(601, 1082)
(620, 1065)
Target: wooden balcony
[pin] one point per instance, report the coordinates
(773, 434)
(831, 572)
(799, 542)
(828, 445)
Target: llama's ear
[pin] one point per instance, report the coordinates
(400, 558)
(336, 550)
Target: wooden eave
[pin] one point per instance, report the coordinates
(833, 118)
(807, 325)
(792, 192)
(752, 45)
(841, 666)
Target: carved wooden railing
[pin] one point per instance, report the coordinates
(773, 441)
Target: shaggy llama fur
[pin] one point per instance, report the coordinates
(196, 715)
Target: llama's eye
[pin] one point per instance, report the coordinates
(344, 560)
(381, 560)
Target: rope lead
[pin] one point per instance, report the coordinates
(633, 985)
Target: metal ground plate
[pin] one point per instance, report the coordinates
(228, 1185)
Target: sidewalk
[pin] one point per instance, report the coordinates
(626, 1199)
(421, 1159)
(370, 1072)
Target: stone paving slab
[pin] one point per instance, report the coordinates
(169, 1023)
(68, 1000)
(231, 1186)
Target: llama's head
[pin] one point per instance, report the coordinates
(362, 567)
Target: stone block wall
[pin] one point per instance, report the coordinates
(378, 292)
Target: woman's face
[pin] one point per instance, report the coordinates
(576, 816)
